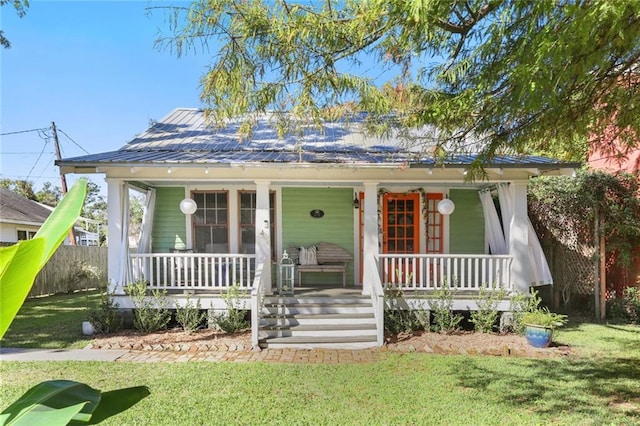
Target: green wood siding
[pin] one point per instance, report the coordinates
(169, 229)
(466, 226)
(336, 226)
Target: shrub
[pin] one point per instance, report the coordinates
(151, 312)
(521, 304)
(626, 308)
(234, 319)
(190, 316)
(105, 318)
(484, 319)
(398, 320)
(445, 320)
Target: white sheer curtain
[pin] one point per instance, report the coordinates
(125, 265)
(538, 266)
(504, 197)
(493, 230)
(144, 243)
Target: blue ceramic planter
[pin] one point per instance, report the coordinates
(538, 336)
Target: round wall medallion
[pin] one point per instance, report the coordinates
(317, 213)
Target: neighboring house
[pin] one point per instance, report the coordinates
(20, 218)
(377, 202)
(613, 158)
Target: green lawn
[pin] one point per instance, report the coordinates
(600, 386)
(51, 322)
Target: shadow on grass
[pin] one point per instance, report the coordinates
(594, 389)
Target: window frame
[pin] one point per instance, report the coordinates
(227, 225)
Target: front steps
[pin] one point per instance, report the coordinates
(310, 322)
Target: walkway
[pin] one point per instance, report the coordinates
(296, 356)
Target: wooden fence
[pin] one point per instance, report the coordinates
(71, 268)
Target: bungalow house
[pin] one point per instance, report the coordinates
(355, 214)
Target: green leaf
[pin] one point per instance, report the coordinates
(20, 263)
(18, 270)
(116, 401)
(51, 403)
(55, 228)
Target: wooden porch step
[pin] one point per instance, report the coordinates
(318, 322)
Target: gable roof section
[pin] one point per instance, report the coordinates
(184, 137)
(15, 208)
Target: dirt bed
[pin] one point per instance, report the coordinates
(208, 340)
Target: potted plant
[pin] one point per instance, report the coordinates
(539, 326)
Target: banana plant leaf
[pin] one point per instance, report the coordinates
(65, 402)
(20, 263)
(54, 402)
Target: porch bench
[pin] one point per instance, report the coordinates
(331, 258)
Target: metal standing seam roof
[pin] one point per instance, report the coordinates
(184, 137)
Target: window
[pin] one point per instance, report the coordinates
(247, 222)
(211, 222)
(25, 235)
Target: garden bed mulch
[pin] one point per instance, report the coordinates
(466, 343)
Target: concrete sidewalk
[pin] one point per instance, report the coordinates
(23, 354)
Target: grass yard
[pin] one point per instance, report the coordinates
(400, 389)
(51, 322)
(600, 385)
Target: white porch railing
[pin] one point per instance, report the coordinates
(433, 271)
(204, 271)
(257, 298)
(377, 300)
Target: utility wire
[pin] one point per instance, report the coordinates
(76, 143)
(44, 135)
(23, 131)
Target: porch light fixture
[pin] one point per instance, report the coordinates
(446, 207)
(188, 206)
(356, 201)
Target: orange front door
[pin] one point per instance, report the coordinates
(401, 223)
(400, 233)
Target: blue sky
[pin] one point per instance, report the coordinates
(92, 68)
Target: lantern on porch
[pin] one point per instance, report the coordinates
(286, 275)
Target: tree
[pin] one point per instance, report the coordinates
(495, 76)
(21, 8)
(49, 194)
(21, 187)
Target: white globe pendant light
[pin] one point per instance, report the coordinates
(446, 207)
(188, 206)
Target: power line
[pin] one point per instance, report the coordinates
(76, 143)
(24, 131)
(46, 141)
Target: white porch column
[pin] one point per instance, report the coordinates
(519, 237)
(114, 231)
(263, 231)
(370, 230)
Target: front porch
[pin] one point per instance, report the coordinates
(326, 315)
(212, 272)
